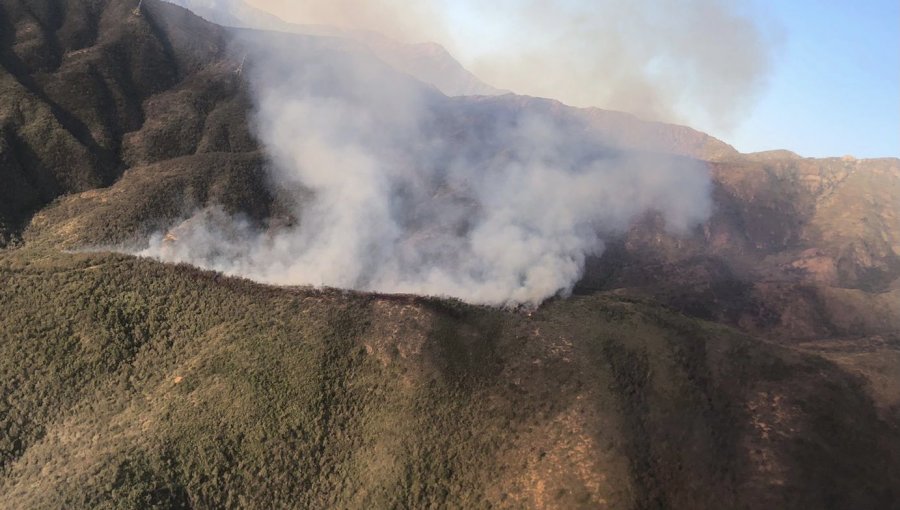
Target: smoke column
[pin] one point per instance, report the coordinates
(397, 188)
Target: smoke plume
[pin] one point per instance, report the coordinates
(702, 62)
(394, 187)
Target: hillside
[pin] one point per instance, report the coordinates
(797, 250)
(171, 386)
(753, 363)
(164, 85)
(77, 78)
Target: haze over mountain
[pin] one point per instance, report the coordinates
(426, 61)
(748, 357)
(699, 61)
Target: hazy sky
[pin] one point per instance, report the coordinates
(820, 78)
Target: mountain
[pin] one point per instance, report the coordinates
(753, 363)
(428, 62)
(152, 385)
(796, 250)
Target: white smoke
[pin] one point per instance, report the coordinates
(700, 62)
(703, 62)
(397, 188)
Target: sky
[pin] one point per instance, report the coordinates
(835, 87)
(820, 78)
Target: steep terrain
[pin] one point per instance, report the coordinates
(797, 249)
(129, 383)
(90, 89)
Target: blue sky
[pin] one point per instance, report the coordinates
(835, 89)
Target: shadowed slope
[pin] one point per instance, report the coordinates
(76, 80)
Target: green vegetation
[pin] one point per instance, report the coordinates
(131, 384)
(151, 198)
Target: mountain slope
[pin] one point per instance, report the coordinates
(796, 249)
(129, 383)
(76, 80)
(166, 85)
(792, 243)
(171, 386)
